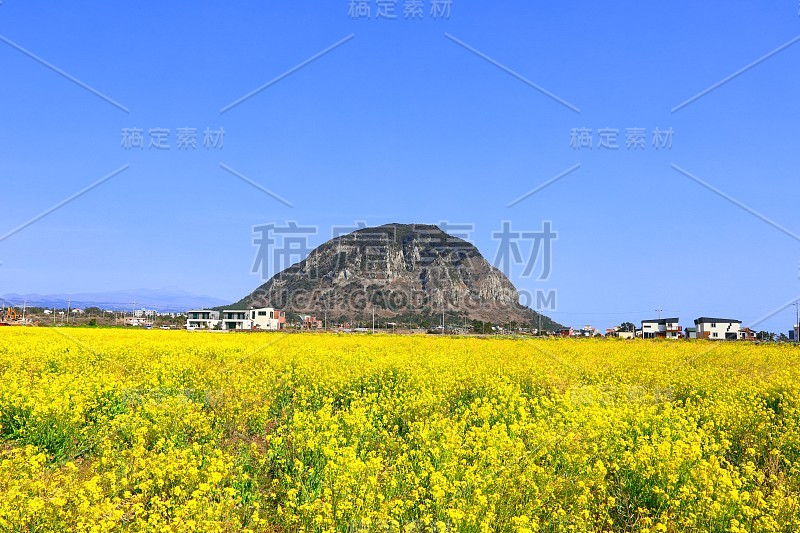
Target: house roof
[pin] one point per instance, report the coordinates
(661, 320)
(706, 320)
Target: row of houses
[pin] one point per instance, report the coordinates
(704, 328)
(271, 319)
(585, 331)
(263, 318)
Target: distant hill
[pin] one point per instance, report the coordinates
(164, 300)
(399, 270)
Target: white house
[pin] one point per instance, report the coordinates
(136, 322)
(267, 318)
(619, 333)
(236, 319)
(202, 319)
(665, 328)
(717, 328)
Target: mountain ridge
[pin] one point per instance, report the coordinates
(164, 299)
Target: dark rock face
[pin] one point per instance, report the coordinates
(399, 270)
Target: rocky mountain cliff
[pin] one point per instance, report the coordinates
(400, 270)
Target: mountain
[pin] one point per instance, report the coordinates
(401, 271)
(164, 300)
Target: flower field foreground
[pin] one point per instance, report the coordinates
(113, 430)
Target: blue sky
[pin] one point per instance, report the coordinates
(402, 124)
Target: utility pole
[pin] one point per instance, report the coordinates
(797, 321)
(373, 318)
(659, 312)
(69, 303)
(24, 305)
(54, 315)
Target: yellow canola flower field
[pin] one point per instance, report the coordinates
(115, 430)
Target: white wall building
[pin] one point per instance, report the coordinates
(664, 328)
(202, 319)
(717, 328)
(267, 318)
(136, 322)
(236, 320)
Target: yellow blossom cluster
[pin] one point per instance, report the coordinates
(119, 430)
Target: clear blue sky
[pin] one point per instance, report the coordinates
(403, 124)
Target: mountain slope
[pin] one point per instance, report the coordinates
(399, 270)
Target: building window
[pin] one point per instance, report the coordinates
(715, 334)
(713, 325)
